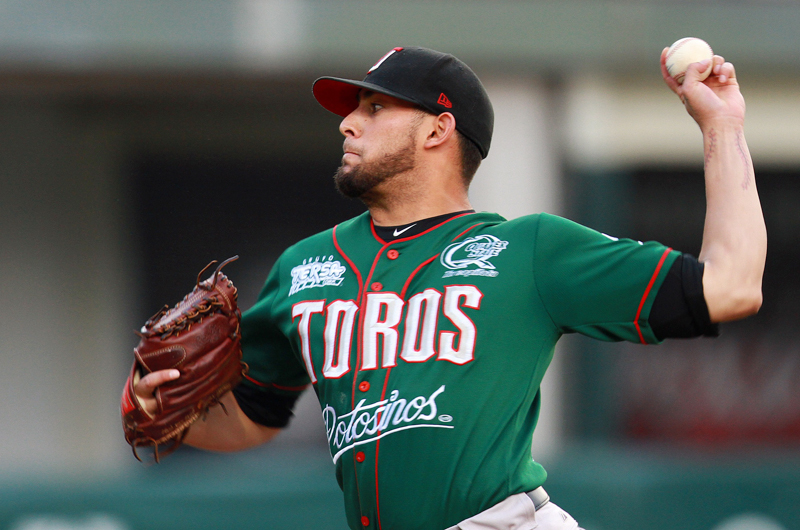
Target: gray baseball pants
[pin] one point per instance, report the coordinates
(523, 511)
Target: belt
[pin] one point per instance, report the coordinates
(539, 497)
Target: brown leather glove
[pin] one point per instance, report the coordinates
(200, 338)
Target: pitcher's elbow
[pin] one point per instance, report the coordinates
(741, 303)
(753, 302)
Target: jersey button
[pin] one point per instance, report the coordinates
(365, 520)
(393, 254)
(360, 456)
(377, 286)
(363, 386)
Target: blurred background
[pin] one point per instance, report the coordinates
(140, 140)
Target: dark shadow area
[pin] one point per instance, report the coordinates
(190, 211)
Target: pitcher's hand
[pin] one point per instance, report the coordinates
(717, 98)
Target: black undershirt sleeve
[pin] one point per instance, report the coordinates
(680, 309)
(267, 407)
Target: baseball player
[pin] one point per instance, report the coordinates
(425, 328)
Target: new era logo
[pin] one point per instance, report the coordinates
(444, 101)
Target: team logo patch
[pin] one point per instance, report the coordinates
(472, 252)
(380, 61)
(370, 422)
(317, 272)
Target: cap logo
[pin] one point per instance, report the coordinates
(380, 62)
(444, 101)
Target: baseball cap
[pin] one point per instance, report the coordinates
(437, 82)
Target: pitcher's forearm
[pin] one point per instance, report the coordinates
(734, 237)
(231, 431)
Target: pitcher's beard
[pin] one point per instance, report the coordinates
(360, 180)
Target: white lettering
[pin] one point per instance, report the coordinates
(380, 338)
(313, 273)
(337, 352)
(410, 352)
(385, 325)
(473, 251)
(368, 423)
(466, 343)
(304, 310)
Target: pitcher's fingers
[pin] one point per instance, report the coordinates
(147, 384)
(668, 79)
(725, 72)
(694, 71)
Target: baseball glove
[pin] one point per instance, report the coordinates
(199, 337)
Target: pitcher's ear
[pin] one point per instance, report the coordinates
(444, 128)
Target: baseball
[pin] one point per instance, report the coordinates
(685, 52)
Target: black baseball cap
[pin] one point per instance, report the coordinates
(437, 82)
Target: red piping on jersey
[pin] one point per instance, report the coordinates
(408, 281)
(360, 329)
(350, 262)
(273, 385)
(375, 233)
(377, 448)
(647, 292)
(386, 382)
(402, 296)
(359, 350)
(361, 287)
(467, 230)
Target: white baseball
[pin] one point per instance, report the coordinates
(685, 52)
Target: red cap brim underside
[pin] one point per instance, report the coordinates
(336, 95)
(340, 96)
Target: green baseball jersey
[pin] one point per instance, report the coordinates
(427, 352)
